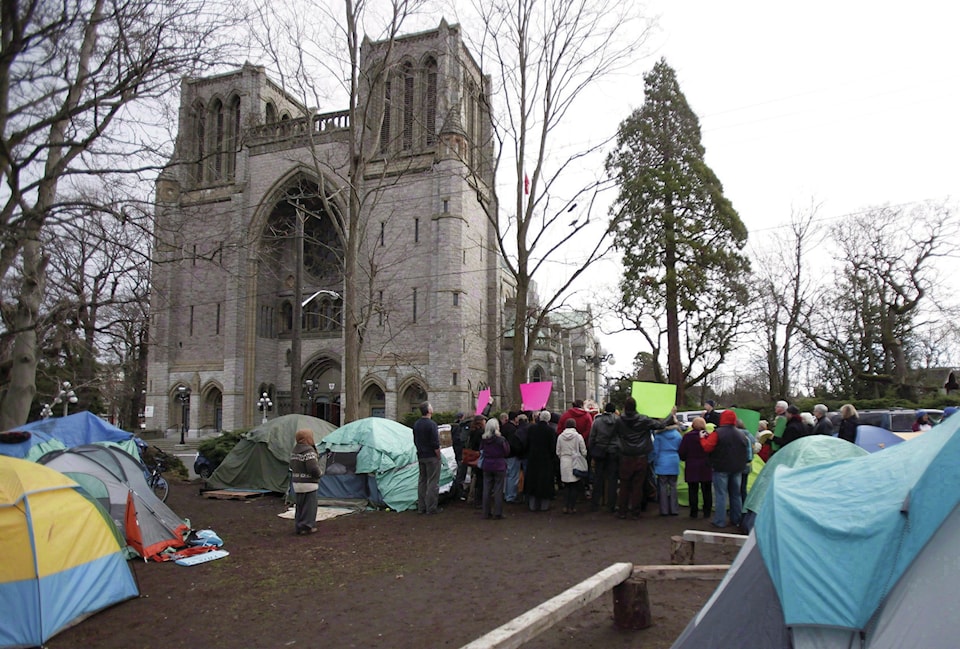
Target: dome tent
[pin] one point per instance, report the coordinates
(261, 458)
(62, 555)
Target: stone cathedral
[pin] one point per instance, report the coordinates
(251, 162)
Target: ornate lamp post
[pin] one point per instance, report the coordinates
(183, 396)
(597, 358)
(264, 404)
(311, 388)
(66, 397)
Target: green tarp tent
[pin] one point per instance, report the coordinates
(385, 450)
(260, 460)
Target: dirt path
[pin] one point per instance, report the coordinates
(382, 579)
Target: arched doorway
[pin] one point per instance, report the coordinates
(374, 401)
(211, 409)
(411, 397)
(322, 384)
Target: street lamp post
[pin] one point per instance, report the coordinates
(66, 397)
(183, 396)
(264, 404)
(597, 358)
(310, 387)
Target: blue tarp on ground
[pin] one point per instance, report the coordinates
(836, 538)
(66, 432)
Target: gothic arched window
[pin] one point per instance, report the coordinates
(408, 106)
(200, 141)
(430, 102)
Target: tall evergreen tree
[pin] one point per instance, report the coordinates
(684, 274)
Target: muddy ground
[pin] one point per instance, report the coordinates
(383, 579)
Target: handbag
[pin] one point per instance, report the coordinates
(580, 467)
(470, 456)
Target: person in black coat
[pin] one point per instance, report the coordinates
(849, 421)
(538, 480)
(795, 428)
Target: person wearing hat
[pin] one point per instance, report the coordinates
(726, 446)
(710, 415)
(922, 422)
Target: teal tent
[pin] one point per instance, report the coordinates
(261, 459)
(858, 552)
(385, 450)
(58, 433)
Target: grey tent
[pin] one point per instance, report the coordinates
(855, 553)
(118, 481)
(261, 458)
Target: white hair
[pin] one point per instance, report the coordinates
(492, 428)
(822, 409)
(544, 415)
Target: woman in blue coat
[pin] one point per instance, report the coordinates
(666, 464)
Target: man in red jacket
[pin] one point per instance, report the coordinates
(582, 419)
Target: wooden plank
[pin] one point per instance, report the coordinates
(228, 494)
(721, 538)
(525, 627)
(663, 572)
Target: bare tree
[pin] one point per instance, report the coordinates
(782, 295)
(546, 56)
(70, 74)
(888, 274)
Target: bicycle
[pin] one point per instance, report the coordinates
(158, 484)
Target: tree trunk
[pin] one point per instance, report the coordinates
(22, 388)
(671, 293)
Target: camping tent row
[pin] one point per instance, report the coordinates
(62, 556)
(855, 552)
(371, 459)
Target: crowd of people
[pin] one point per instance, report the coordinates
(611, 461)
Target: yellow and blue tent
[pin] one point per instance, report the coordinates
(62, 558)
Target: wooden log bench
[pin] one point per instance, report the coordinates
(682, 547)
(631, 601)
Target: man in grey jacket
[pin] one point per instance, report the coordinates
(605, 453)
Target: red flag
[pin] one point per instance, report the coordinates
(526, 184)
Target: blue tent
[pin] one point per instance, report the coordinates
(874, 438)
(858, 552)
(57, 433)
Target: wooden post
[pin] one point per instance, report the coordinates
(631, 605)
(681, 551)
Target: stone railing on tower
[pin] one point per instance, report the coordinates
(291, 131)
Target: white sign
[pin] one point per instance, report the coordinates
(148, 411)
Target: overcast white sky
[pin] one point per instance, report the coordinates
(849, 104)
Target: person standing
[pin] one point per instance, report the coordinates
(604, 450)
(305, 474)
(583, 419)
(458, 436)
(538, 480)
(710, 415)
(666, 464)
(572, 451)
(849, 420)
(795, 429)
(780, 414)
(726, 446)
(823, 425)
(495, 450)
(697, 471)
(508, 429)
(635, 434)
(426, 438)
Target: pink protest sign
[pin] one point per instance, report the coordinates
(482, 400)
(535, 395)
